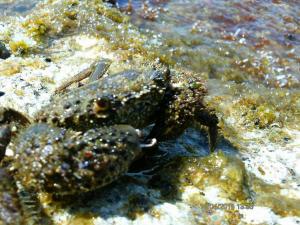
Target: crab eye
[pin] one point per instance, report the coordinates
(100, 105)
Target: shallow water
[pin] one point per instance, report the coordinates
(21, 7)
(246, 36)
(248, 50)
(249, 53)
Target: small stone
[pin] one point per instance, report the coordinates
(4, 53)
(48, 60)
(286, 139)
(290, 37)
(113, 2)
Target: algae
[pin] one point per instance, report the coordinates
(252, 76)
(19, 47)
(228, 174)
(54, 19)
(220, 170)
(138, 205)
(268, 195)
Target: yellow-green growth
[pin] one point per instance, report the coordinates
(19, 47)
(36, 26)
(112, 13)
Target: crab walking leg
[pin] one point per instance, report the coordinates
(100, 69)
(9, 201)
(208, 118)
(5, 136)
(31, 208)
(95, 71)
(13, 117)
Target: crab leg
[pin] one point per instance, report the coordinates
(5, 136)
(31, 208)
(100, 69)
(95, 72)
(209, 119)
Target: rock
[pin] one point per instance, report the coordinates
(113, 2)
(4, 52)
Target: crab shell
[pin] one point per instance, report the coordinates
(61, 161)
(130, 97)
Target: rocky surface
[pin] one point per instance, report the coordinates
(254, 179)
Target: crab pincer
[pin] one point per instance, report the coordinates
(66, 162)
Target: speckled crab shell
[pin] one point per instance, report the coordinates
(62, 161)
(130, 97)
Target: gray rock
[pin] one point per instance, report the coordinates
(4, 52)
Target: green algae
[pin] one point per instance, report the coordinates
(256, 107)
(225, 172)
(82, 218)
(137, 205)
(113, 14)
(277, 135)
(256, 114)
(55, 19)
(10, 69)
(19, 47)
(280, 205)
(220, 170)
(36, 26)
(268, 195)
(228, 174)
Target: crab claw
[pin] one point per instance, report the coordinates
(5, 136)
(152, 143)
(139, 133)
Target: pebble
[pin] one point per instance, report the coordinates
(4, 52)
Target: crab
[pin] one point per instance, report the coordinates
(172, 102)
(89, 136)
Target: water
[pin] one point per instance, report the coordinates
(247, 35)
(248, 51)
(242, 47)
(21, 7)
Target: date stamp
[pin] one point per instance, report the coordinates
(229, 206)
